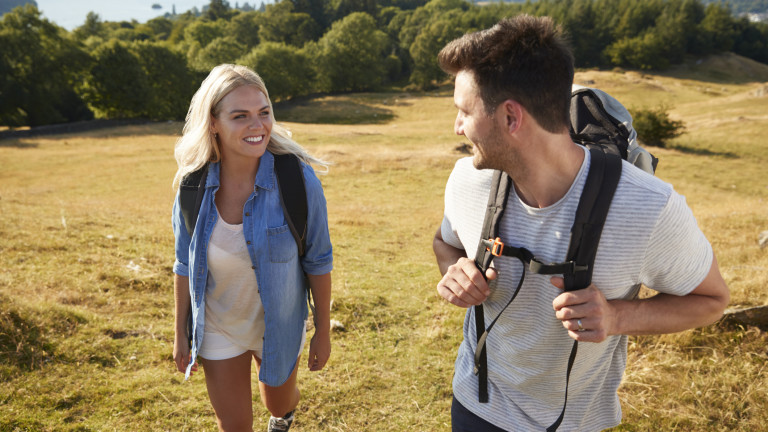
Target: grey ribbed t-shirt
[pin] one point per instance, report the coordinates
(650, 237)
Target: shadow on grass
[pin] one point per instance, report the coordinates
(702, 152)
(21, 342)
(17, 143)
(341, 110)
(91, 128)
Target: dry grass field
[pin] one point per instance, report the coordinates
(86, 253)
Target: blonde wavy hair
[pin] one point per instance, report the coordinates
(198, 146)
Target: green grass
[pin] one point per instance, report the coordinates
(86, 252)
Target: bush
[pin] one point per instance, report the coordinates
(285, 69)
(654, 127)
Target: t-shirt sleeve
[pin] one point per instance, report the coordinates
(679, 256)
(448, 228)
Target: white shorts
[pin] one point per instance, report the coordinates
(216, 346)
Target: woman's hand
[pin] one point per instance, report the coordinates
(181, 354)
(319, 350)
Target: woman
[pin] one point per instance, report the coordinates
(239, 275)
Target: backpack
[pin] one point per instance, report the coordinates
(293, 199)
(603, 125)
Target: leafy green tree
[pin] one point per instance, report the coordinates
(219, 9)
(417, 20)
(643, 52)
(342, 8)
(220, 50)
(718, 32)
(117, 86)
(428, 44)
(351, 55)
(39, 66)
(319, 10)
(204, 32)
(244, 28)
(279, 23)
(161, 28)
(180, 24)
(751, 40)
(92, 27)
(284, 68)
(171, 83)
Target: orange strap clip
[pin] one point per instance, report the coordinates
(497, 248)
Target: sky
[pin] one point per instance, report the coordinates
(71, 13)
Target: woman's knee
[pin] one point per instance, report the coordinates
(280, 400)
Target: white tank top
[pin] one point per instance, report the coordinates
(232, 304)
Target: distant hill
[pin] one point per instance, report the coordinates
(8, 5)
(723, 68)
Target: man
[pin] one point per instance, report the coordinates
(512, 91)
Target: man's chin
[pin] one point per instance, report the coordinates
(479, 163)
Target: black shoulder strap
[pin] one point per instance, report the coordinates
(293, 197)
(602, 180)
(191, 193)
(600, 186)
(497, 198)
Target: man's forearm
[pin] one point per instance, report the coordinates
(666, 313)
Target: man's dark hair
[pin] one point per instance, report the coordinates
(523, 58)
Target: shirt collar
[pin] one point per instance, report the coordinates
(265, 177)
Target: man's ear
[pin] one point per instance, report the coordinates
(513, 115)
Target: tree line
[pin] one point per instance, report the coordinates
(300, 47)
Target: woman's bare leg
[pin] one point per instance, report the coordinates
(229, 389)
(283, 399)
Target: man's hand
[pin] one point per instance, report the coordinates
(463, 285)
(585, 313)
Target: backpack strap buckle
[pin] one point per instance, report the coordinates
(497, 246)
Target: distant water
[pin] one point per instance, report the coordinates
(71, 13)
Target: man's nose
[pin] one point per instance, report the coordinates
(458, 126)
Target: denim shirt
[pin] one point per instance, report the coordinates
(274, 258)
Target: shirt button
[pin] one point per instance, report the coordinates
(248, 242)
(247, 214)
(253, 267)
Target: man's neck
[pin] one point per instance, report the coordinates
(546, 167)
